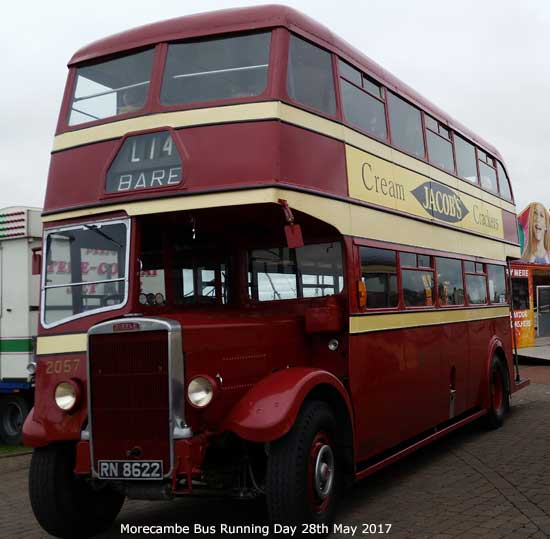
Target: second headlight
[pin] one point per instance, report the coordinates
(200, 391)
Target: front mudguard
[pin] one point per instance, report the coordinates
(269, 409)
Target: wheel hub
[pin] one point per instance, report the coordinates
(324, 471)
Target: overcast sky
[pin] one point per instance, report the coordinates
(484, 62)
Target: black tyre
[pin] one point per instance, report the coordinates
(499, 394)
(304, 470)
(13, 411)
(64, 504)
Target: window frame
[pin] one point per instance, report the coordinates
(70, 89)
(493, 166)
(382, 98)
(249, 300)
(476, 273)
(425, 269)
(284, 55)
(453, 306)
(450, 140)
(506, 286)
(126, 278)
(399, 304)
(266, 95)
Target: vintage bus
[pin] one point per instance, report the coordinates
(326, 253)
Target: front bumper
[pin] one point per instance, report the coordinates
(188, 460)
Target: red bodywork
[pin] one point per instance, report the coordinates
(266, 359)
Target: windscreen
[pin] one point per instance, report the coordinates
(216, 68)
(111, 88)
(85, 270)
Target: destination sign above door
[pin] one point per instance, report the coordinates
(145, 162)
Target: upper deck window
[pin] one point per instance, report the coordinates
(310, 79)
(465, 159)
(216, 68)
(440, 147)
(111, 88)
(504, 182)
(362, 101)
(487, 171)
(406, 126)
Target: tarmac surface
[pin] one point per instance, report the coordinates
(473, 483)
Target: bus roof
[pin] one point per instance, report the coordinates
(258, 17)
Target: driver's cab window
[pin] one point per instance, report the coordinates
(199, 276)
(152, 284)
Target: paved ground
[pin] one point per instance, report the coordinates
(540, 351)
(473, 484)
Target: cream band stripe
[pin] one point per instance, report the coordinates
(77, 342)
(403, 320)
(349, 219)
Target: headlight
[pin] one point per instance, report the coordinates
(200, 392)
(66, 395)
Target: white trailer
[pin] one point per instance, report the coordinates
(20, 233)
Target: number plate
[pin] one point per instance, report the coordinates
(130, 469)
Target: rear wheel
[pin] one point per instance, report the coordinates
(64, 504)
(498, 393)
(13, 411)
(304, 471)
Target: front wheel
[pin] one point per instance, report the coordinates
(499, 395)
(304, 471)
(64, 504)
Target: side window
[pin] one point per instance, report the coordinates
(417, 278)
(476, 283)
(405, 126)
(465, 159)
(440, 147)
(497, 283)
(487, 171)
(282, 273)
(309, 79)
(450, 285)
(362, 100)
(504, 183)
(379, 273)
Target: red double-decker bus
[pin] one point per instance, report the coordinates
(269, 269)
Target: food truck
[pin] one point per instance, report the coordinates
(530, 277)
(20, 240)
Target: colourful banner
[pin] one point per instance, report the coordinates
(534, 234)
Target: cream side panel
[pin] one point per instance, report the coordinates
(348, 219)
(57, 344)
(380, 322)
(394, 186)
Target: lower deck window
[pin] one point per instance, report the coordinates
(476, 285)
(306, 272)
(418, 288)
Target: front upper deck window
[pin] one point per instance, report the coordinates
(309, 79)
(216, 68)
(111, 88)
(85, 270)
